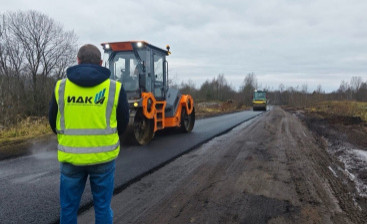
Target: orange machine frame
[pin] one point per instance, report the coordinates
(152, 113)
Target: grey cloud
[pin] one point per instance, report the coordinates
(275, 39)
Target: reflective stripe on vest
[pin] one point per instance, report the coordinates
(87, 130)
(81, 150)
(106, 131)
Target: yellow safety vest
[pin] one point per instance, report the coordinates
(86, 122)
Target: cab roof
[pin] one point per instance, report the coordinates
(128, 46)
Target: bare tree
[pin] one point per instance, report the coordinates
(319, 89)
(281, 87)
(188, 88)
(355, 83)
(361, 94)
(34, 51)
(11, 70)
(248, 88)
(47, 50)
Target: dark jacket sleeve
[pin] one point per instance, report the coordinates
(122, 112)
(52, 113)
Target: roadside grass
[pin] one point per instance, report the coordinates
(30, 127)
(342, 108)
(207, 109)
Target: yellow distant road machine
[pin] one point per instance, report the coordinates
(259, 100)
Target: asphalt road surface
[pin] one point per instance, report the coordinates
(30, 184)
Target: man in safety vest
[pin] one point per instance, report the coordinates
(88, 111)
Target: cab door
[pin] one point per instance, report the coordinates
(158, 75)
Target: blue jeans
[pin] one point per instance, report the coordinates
(72, 184)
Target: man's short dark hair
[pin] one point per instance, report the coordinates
(89, 54)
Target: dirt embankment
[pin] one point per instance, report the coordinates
(271, 170)
(345, 138)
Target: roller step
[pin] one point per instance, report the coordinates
(159, 121)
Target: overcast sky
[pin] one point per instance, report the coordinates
(294, 42)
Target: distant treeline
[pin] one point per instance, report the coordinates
(355, 90)
(219, 89)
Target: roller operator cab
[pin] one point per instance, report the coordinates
(143, 71)
(259, 100)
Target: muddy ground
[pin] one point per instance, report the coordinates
(345, 139)
(271, 170)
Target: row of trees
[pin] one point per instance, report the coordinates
(356, 90)
(34, 52)
(219, 89)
